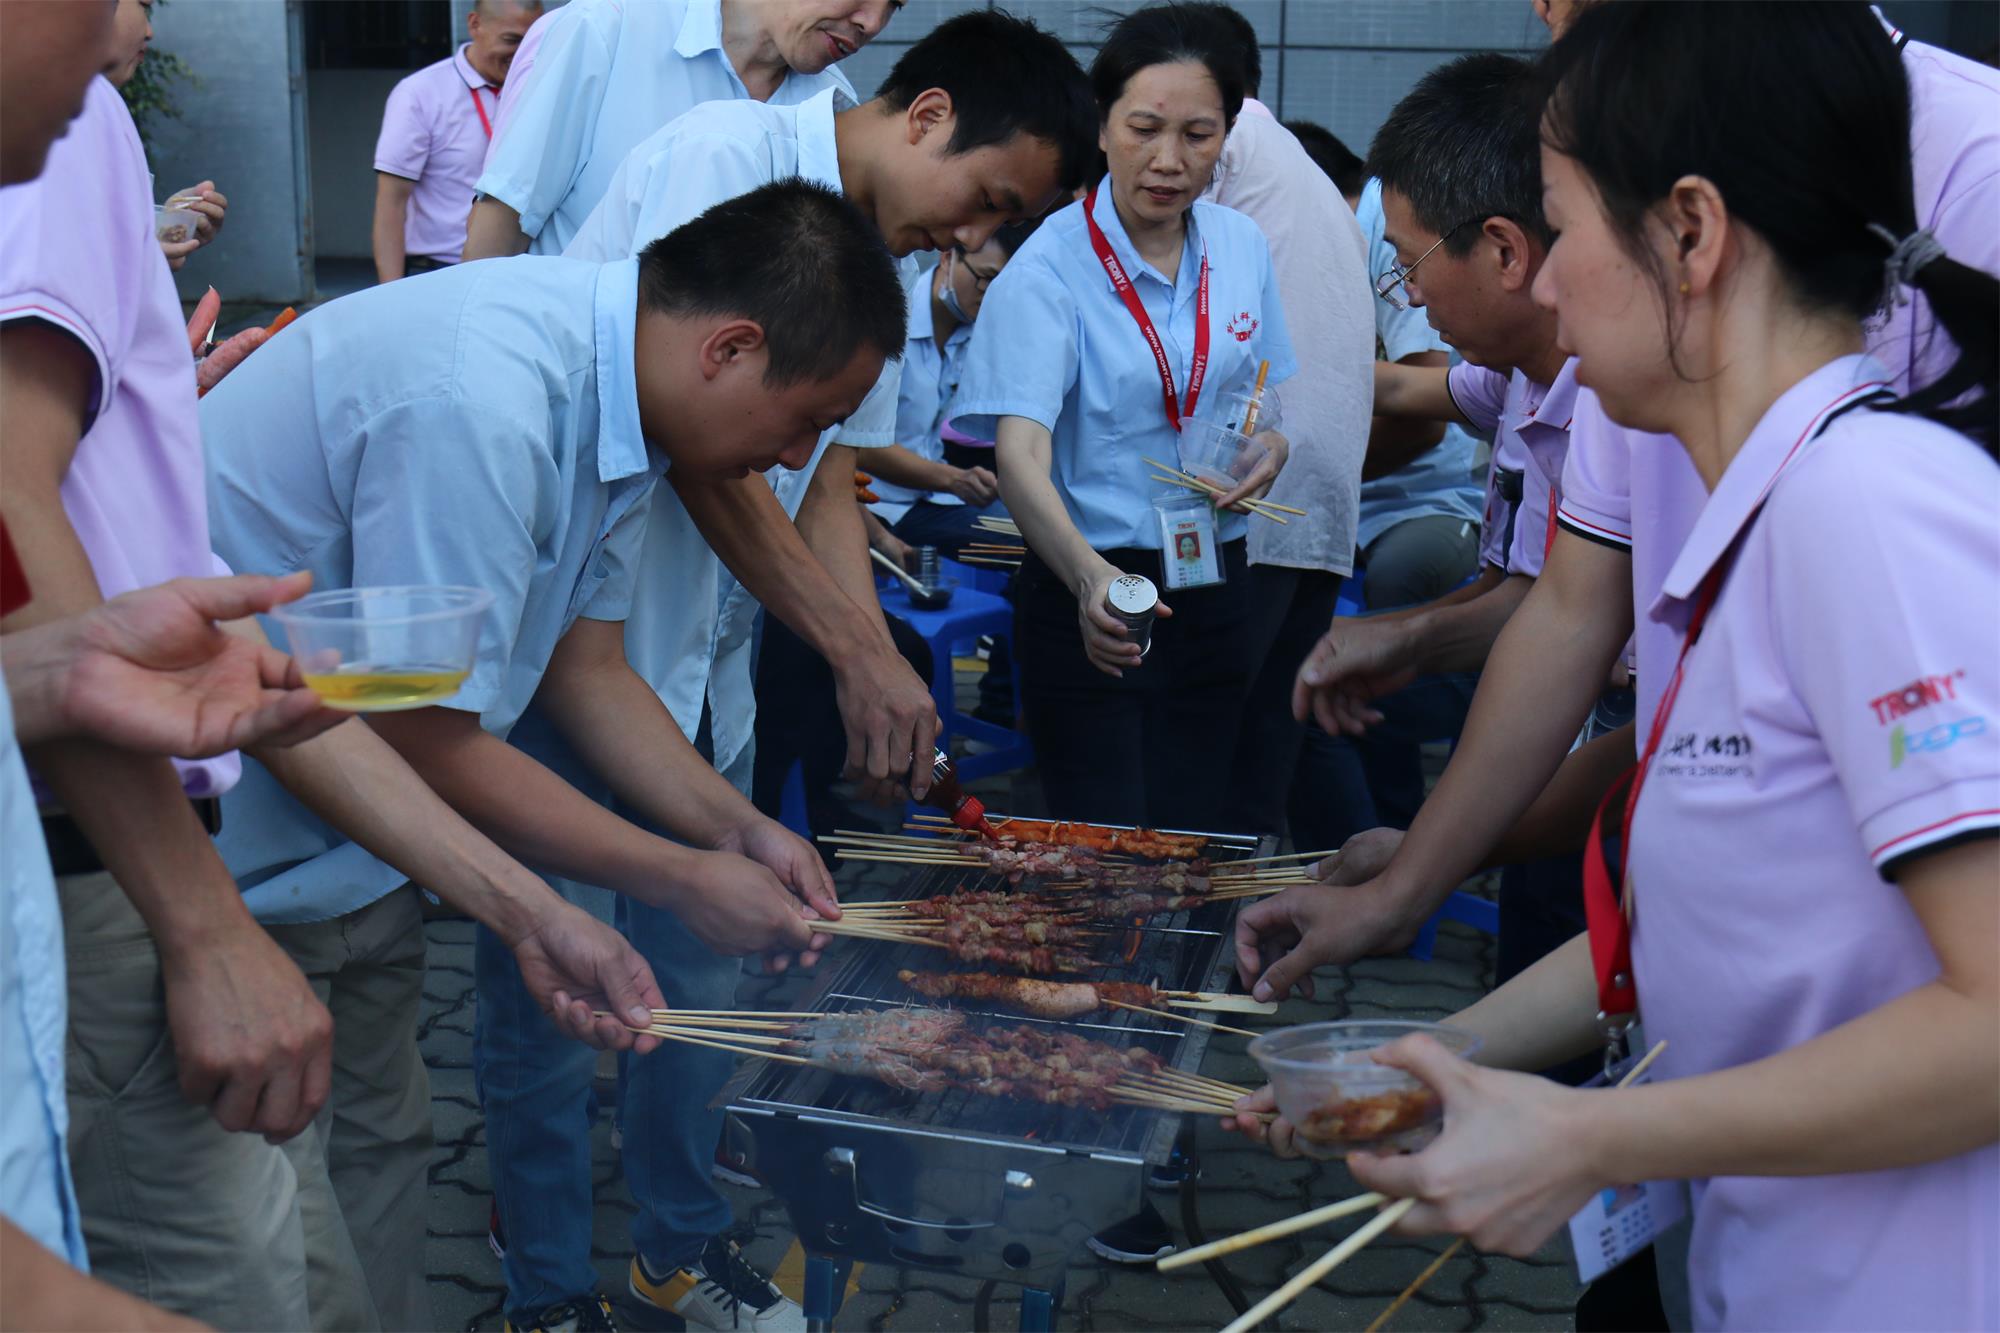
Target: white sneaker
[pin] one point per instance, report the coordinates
(720, 1290)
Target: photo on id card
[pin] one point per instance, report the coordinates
(1189, 554)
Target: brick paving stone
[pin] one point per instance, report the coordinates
(1241, 1186)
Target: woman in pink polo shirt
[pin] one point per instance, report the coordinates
(1810, 884)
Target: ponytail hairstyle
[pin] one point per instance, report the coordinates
(1798, 112)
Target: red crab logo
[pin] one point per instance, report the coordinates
(1243, 325)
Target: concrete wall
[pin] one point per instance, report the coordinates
(238, 129)
(344, 113)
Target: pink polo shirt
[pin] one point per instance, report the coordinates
(1530, 426)
(1841, 711)
(435, 129)
(77, 252)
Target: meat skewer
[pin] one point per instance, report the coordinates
(1030, 995)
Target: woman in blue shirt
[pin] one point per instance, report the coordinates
(1079, 384)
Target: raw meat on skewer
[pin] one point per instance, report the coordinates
(1031, 995)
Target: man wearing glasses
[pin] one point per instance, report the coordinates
(1458, 160)
(926, 501)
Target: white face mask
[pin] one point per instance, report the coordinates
(950, 293)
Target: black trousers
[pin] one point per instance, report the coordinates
(798, 719)
(1290, 609)
(1153, 747)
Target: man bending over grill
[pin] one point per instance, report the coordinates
(501, 426)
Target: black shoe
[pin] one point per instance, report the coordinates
(1140, 1239)
(590, 1314)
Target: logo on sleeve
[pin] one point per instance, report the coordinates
(1242, 324)
(1918, 694)
(1941, 737)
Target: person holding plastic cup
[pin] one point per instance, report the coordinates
(1806, 915)
(1130, 315)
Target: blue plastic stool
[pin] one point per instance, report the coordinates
(970, 614)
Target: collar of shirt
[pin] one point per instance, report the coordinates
(1557, 405)
(621, 448)
(471, 77)
(819, 151)
(1776, 441)
(701, 29)
(1182, 289)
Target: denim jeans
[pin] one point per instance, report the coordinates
(535, 1086)
(947, 527)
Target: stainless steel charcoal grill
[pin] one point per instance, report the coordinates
(977, 1186)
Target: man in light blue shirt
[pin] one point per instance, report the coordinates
(937, 156)
(597, 76)
(501, 426)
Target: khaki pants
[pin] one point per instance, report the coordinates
(175, 1209)
(372, 1142)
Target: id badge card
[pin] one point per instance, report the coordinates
(1617, 1223)
(1190, 555)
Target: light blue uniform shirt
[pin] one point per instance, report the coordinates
(1440, 480)
(477, 426)
(608, 74)
(689, 631)
(1055, 344)
(927, 382)
(35, 1190)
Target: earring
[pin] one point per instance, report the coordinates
(1686, 290)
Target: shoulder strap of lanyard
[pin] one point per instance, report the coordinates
(1605, 902)
(1130, 296)
(480, 106)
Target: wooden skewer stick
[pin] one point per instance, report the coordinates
(1319, 1268)
(740, 1038)
(909, 580)
(895, 858)
(1192, 482)
(1180, 1018)
(1235, 1090)
(726, 1046)
(1256, 399)
(1265, 860)
(1332, 1212)
(1381, 1319)
(745, 1013)
(1248, 506)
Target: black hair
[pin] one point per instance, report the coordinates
(1465, 145)
(1167, 34)
(1329, 154)
(1015, 234)
(1006, 77)
(1246, 34)
(797, 258)
(1799, 114)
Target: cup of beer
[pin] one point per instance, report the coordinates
(377, 650)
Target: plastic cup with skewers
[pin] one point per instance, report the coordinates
(1214, 444)
(1329, 1086)
(376, 650)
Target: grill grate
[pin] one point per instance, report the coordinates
(1183, 952)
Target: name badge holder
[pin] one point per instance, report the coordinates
(1620, 1222)
(1190, 554)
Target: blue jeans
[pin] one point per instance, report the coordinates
(947, 527)
(535, 1086)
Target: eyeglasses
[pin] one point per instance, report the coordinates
(980, 281)
(1390, 284)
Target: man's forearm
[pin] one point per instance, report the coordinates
(36, 661)
(39, 1290)
(1460, 636)
(902, 467)
(533, 814)
(1544, 673)
(748, 529)
(1558, 823)
(354, 780)
(618, 726)
(493, 230)
(386, 236)
(1396, 442)
(830, 524)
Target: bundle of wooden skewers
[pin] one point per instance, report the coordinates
(999, 527)
(926, 1050)
(997, 555)
(1188, 481)
(1075, 867)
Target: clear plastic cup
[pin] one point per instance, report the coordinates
(174, 225)
(377, 650)
(1339, 1098)
(1218, 453)
(936, 595)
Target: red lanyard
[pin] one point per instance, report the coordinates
(480, 107)
(13, 580)
(1604, 910)
(1604, 902)
(1130, 296)
(1555, 503)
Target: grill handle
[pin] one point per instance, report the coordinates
(840, 1163)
